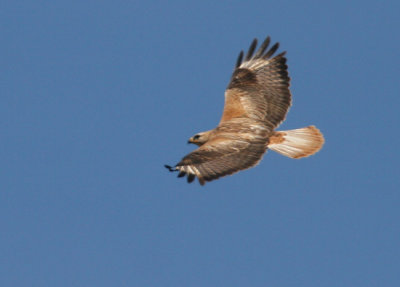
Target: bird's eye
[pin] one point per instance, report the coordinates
(196, 137)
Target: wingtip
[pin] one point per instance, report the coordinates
(239, 59)
(271, 51)
(170, 168)
(190, 177)
(251, 50)
(202, 181)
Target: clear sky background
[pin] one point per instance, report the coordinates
(96, 96)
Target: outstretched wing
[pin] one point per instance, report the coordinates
(238, 145)
(259, 87)
(219, 158)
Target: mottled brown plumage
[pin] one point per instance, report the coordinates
(257, 100)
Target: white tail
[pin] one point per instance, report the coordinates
(297, 143)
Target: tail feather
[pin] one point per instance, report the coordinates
(297, 143)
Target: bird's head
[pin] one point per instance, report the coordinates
(200, 138)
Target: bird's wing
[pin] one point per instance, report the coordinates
(259, 87)
(235, 147)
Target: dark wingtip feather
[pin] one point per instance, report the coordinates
(170, 168)
(281, 54)
(271, 51)
(251, 50)
(239, 59)
(202, 181)
(190, 177)
(262, 48)
(181, 174)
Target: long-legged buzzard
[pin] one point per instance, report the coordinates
(257, 100)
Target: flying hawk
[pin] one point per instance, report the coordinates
(257, 100)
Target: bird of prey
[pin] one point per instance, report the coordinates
(257, 100)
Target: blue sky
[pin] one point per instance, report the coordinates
(96, 96)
